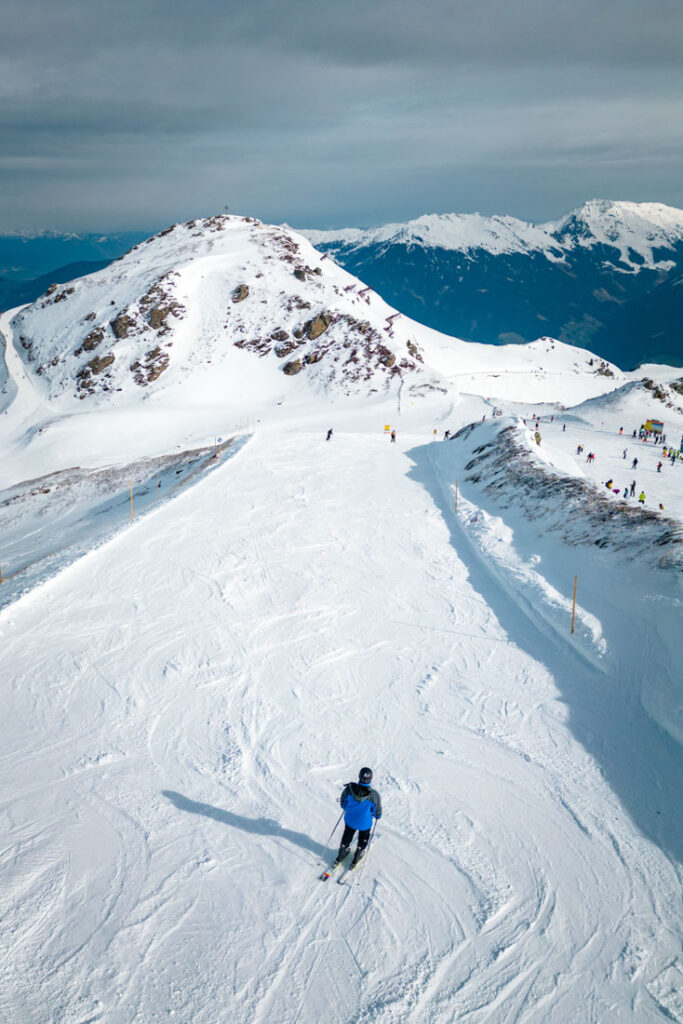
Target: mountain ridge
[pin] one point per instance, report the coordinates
(588, 279)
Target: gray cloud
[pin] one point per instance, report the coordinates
(130, 114)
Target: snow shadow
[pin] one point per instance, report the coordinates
(639, 760)
(257, 826)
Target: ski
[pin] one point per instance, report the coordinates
(331, 870)
(345, 879)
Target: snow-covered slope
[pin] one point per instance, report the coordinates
(219, 321)
(196, 693)
(185, 694)
(193, 306)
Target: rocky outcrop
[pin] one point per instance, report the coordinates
(240, 293)
(122, 326)
(93, 339)
(317, 326)
(100, 363)
(293, 367)
(150, 367)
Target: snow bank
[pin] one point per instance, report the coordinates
(534, 523)
(494, 541)
(504, 466)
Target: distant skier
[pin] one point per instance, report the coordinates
(625, 452)
(634, 464)
(329, 434)
(633, 489)
(393, 437)
(659, 467)
(361, 805)
(641, 497)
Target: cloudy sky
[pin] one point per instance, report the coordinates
(131, 114)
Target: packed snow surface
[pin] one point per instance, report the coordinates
(183, 703)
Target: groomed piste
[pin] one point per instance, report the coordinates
(185, 695)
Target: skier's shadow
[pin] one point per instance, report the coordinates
(259, 826)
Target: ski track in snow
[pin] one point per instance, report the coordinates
(170, 770)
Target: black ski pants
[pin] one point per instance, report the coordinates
(347, 838)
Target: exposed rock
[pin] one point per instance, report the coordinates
(294, 366)
(151, 367)
(240, 293)
(415, 352)
(279, 335)
(90, 316)
(284, 348)
(315, 356)
(300, 274)
(51, 289)
(298, 332)
(122, 325)
(389, 359)
(100, 363)
(158, 303)
(317, 326)
(93, 339)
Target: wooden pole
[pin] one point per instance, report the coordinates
(574, 603)
(1, 579)
(456, 497)
(131, 501)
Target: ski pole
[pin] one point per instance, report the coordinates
(332, 832)
(367, 848)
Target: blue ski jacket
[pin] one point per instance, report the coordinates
(361, 804)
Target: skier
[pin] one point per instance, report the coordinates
(641, 497)
(329, 434)
(634, 464)
(361, 804)
(393, 436)
(633, 489)
(659, 467)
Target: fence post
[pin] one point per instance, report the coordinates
(1, 579)
(574, 603)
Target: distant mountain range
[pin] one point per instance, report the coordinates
(608, 277)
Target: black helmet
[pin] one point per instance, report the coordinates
(365, 776)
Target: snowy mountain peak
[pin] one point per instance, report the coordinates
(206, 306)
(637, 231)
(461, 232)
